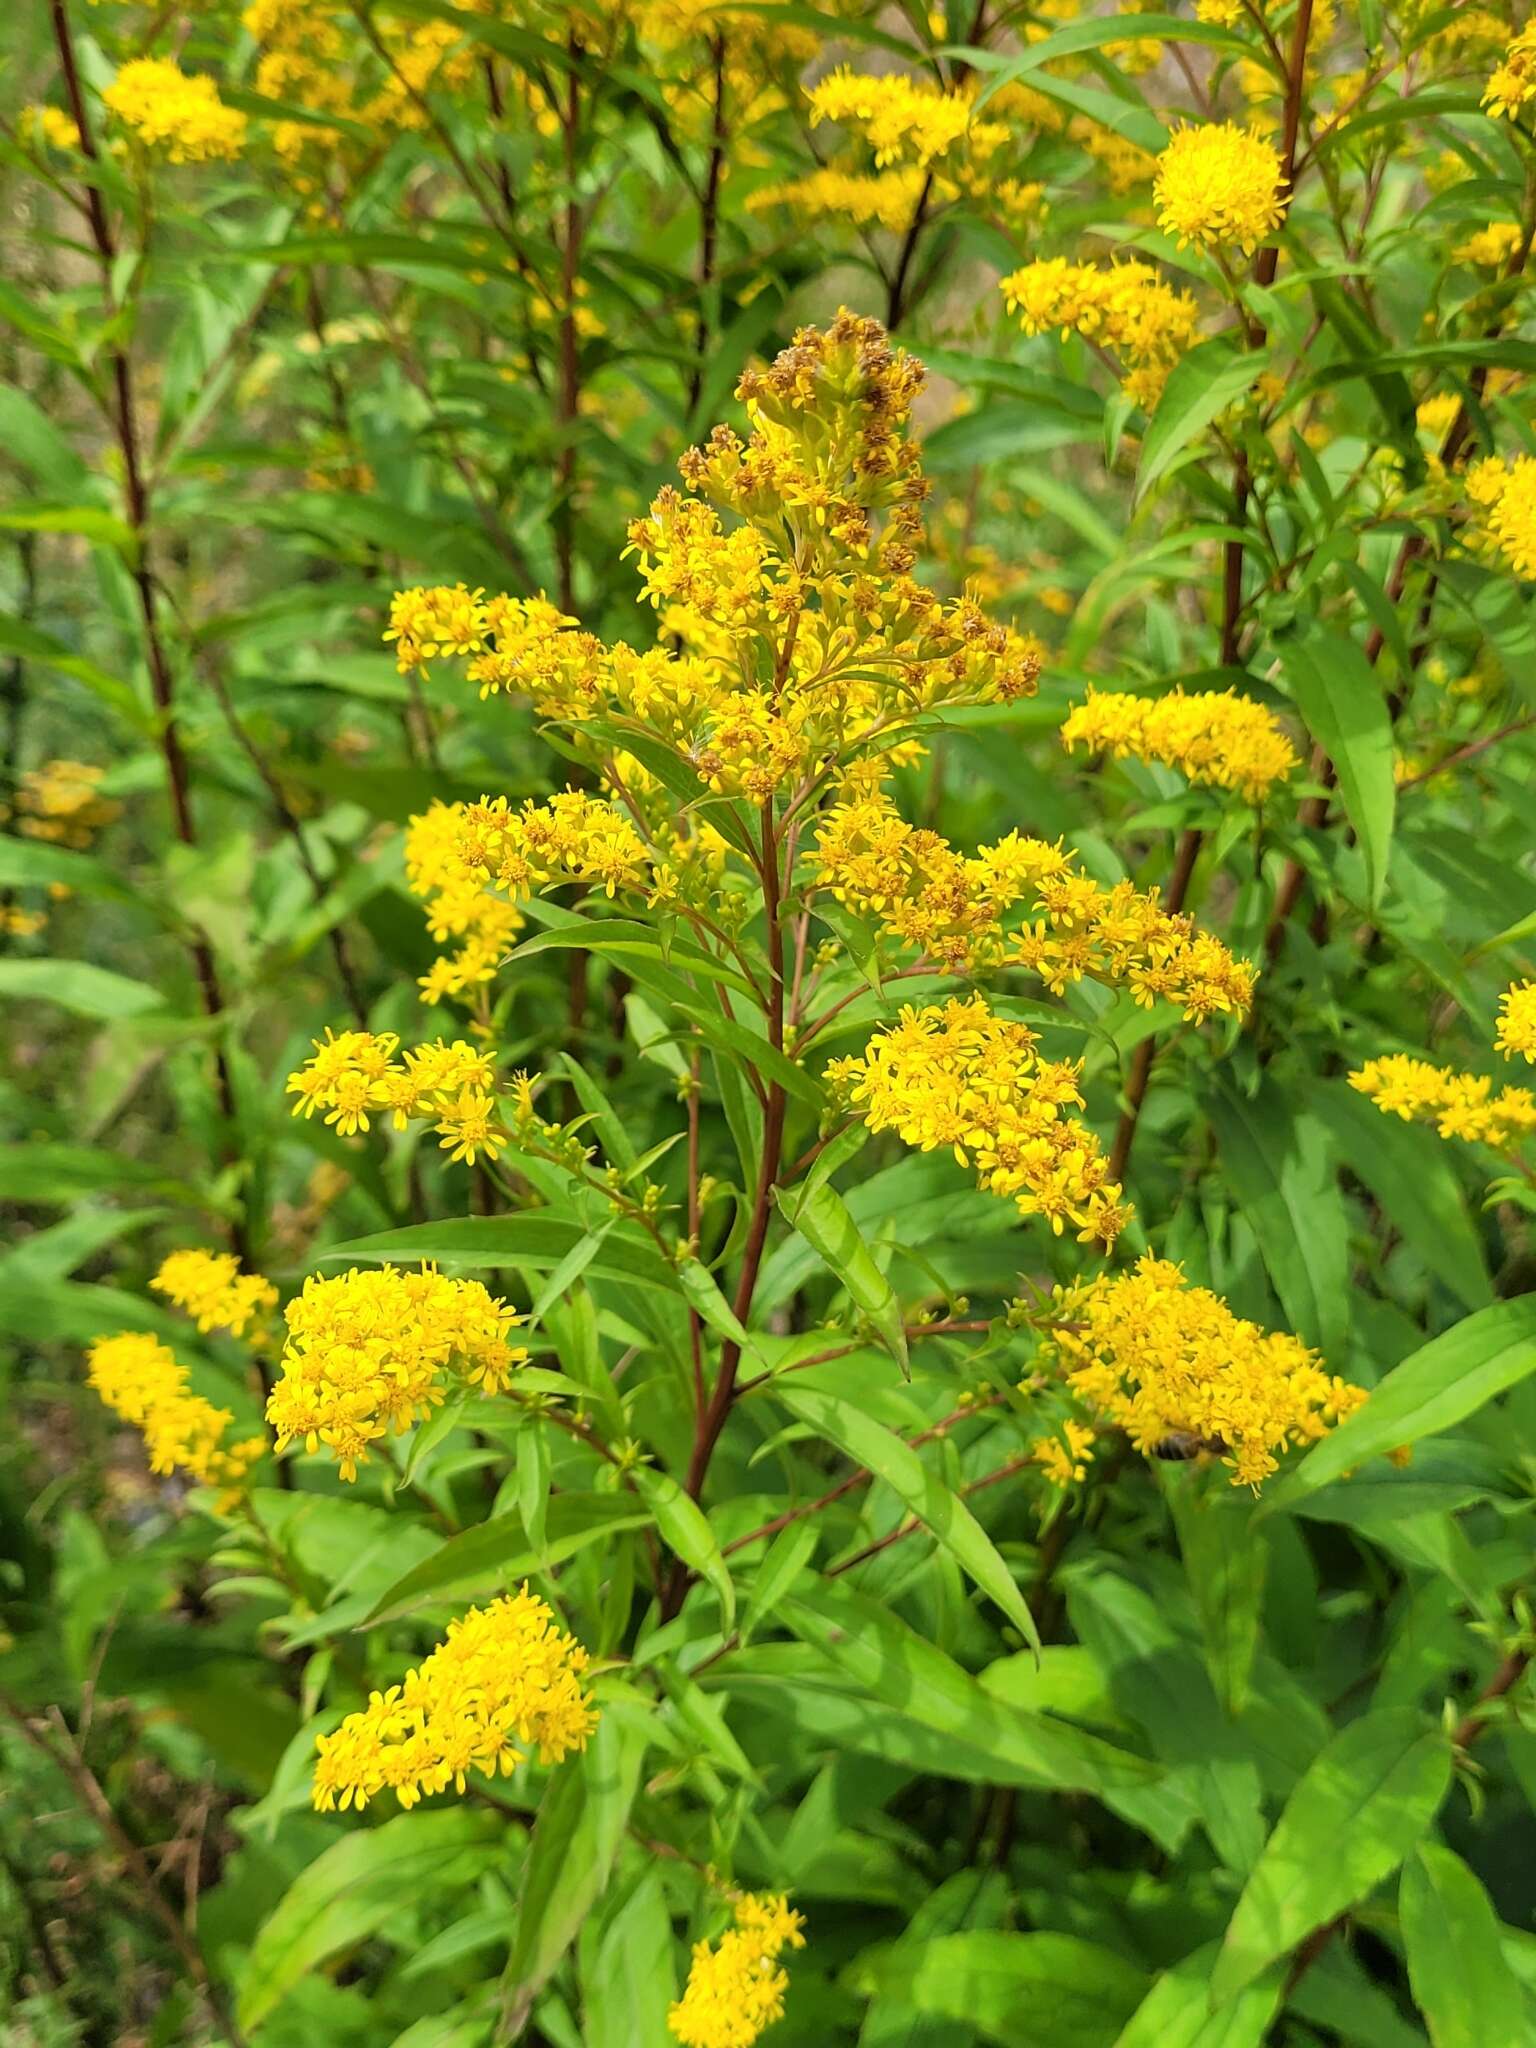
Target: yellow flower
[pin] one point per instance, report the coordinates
(506, 1675)
(1218, 186)
(1064, 1458)
(1149, 1354)
(371, 1350)
(1517, 1021)
(1458, 1105)
(736, 1987)
(1124, 306)
(171, 111)
(1505, 493)
(1513, 83)
(211, 1288)
(902, 119)
(139, 1379)
(1491, 247)
(1215, 737)
(887, 199)
(956, 1078)
(51, 126)
(59, 802)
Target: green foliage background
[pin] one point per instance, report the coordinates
(1270, 1778)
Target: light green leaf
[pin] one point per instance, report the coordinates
(500, 1550)
(1019, 1990)
(821, 1217)
(1432, 1390)
(536, 1243)
(1201, 386)
(686, 1532)
(79, 986)
(354, 1888)
(581, 1823)
(1224, 1561)
(936, 1506)
(1339, 694)
(1453, 1943)
(1350, 1822)
(1176, 2012)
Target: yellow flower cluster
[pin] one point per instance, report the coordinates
(1121, 306)
(886, 199)
(573, 837)
(1149, 1354)
(212, 1290)
(1219, 186)
(1491, 247)
(50, 126)
(139, 1379)
(1513, 84)
(736, 1987)
(1065, 1457)
(956, 1076)
(371, 1350)
(458, 907)
(59, 802)
(353, 1073)
(902, 119)
(952, 907)
(168, 109)
(1516, 1031)
(505, 1675)
(1458, 1105)
(1213, 736)
(784, 578)
(1505, 496)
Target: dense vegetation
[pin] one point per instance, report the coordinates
(768, 962)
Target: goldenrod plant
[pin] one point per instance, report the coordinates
(768, 787)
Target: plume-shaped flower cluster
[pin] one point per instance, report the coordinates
(1516, 1032)
(376, 1349)
(213, 1291)
(1513, 83)
(1214, 736)
(956, 1077)
(506, 1680)
(177, 113)
(140, 1379)
(736, 1985)
(1147, 1353)
(460, 909)
(1458, 1105)
(1504, 494)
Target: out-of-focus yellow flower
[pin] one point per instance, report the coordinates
(174, 112)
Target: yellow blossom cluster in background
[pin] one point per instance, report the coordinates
(506, 1680)
(736, 1985)
(1458, 1105)
(1504, 495)
(212, 1290)
(174, 112)
(1516, 1032)
(352, 1074)
(61, 803)
(1147, 1353)
(140, 1379)
(955, 1077)
(1219, 186)
(459, 908)
(1215, 737)
(373, 1350)
(1125, 307)
(1491, 247)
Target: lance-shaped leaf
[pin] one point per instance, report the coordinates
(820, 1215)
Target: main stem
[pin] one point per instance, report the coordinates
(1141, 1060)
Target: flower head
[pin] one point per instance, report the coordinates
(1215, 737)
(211, 1288)
(736, 1986)
(1517, 1021)
(506, 1675)
(140, 1379)
(1219, 186)
(180, 114)
(1513, 82)
(1505, 496)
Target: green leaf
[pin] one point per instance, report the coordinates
(875, 1652)
(1453, 1943)
(1176, 2012)
(1019, 1990)
(354, 1888)
(104, 529)
(1275, 1156)
(1224, 1560)
(500, 1550)
(581, 1824)
(79, 986)
(1201, 386)
(615, 938)
(686, 1532)
(1408, 1170)
(53, 1175)
(1339, 694)
(31, 864)
(1350, 1822)
(936, 1506)
(19, 638)
(535, 1243)
(820, 1215)
(1438, 1386)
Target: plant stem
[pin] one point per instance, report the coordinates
(1145, 1053)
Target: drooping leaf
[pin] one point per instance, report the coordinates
(1340, 696)
(1453, 1944)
